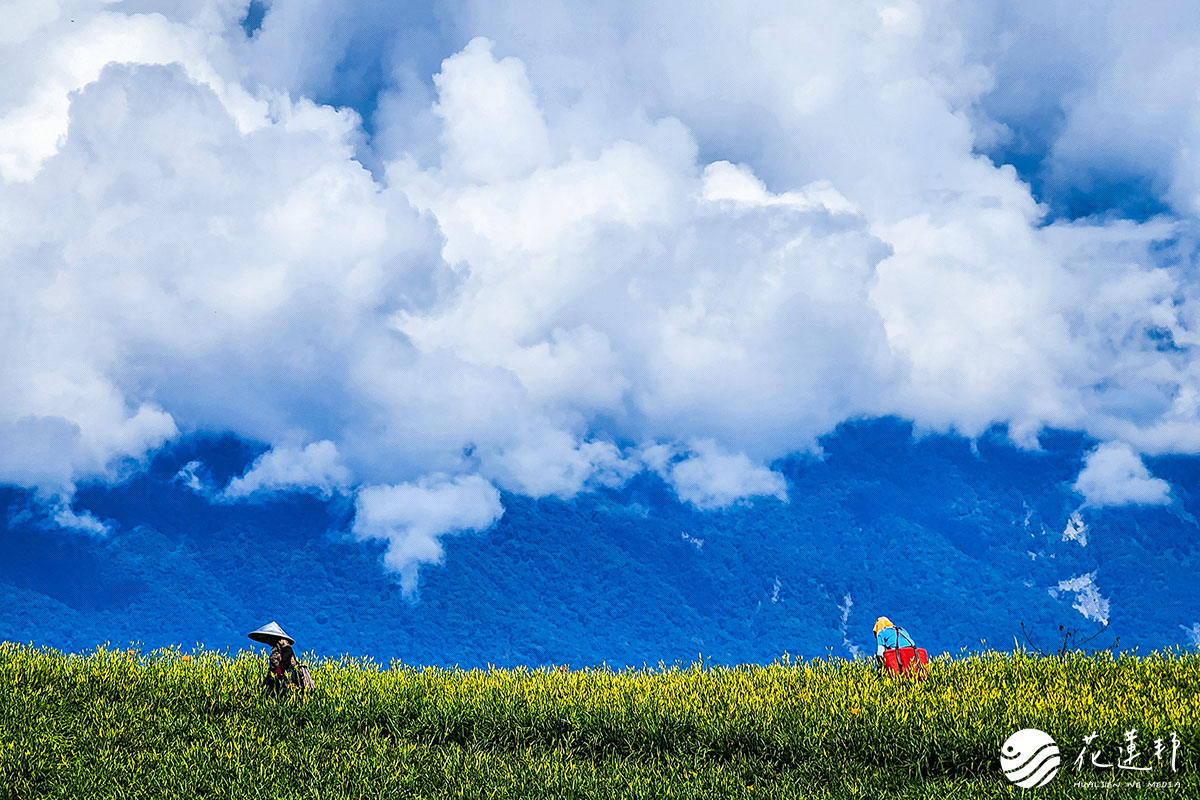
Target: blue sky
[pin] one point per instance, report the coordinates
(432, 262)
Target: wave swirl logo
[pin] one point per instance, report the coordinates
(1029, 758)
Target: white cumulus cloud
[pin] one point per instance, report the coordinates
(708, 478)
(317, 467)
(588, 231)
(413, 517)
(1114, 475)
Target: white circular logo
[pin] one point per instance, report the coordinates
(1029, 758)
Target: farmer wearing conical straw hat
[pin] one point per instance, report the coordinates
(282, 661)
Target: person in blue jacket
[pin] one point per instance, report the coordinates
(889, 636)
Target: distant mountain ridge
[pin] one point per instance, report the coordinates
(958, 543)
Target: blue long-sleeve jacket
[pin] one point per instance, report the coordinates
(886, 639)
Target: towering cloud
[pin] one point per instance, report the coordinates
(594, 240)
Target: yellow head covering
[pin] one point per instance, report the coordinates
(881, 623)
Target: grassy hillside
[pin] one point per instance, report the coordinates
(123, 725)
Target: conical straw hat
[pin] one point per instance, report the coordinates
(268, 633)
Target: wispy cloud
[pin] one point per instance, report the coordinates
(1087, 598)
(844, 626)
(1076, 529)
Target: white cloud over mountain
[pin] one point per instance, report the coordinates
(412, 518)
(1114, 475)
(719, 229)
(315, 468)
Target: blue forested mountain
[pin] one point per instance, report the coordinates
(958, 541)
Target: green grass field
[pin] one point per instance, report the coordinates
(121, 724)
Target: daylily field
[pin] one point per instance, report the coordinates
(128, 724)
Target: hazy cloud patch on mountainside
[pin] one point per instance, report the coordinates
(1114, 475)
